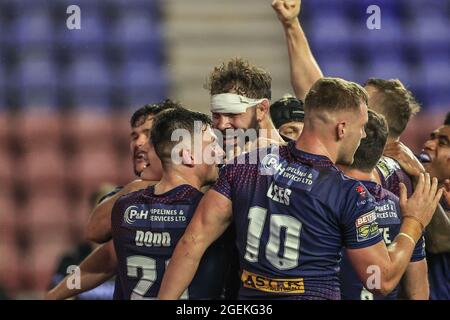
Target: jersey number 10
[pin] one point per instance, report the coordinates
(283, 256)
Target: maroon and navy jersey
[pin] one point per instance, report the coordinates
(439, 275)
(293, 212)
(391, 174)
(389, 219)
(146, 229)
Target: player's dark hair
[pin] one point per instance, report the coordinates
(395, 102)
(240, 76)
(166, 122)
(140, 115)
(447, 120)
(334, 94)
(371, 147)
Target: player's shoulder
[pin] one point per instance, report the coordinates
(131, 197)
(387, 167)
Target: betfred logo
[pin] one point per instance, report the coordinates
(366, 219)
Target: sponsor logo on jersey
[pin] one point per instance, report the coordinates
(156, 215)
(366, 218)
(387, 167)
(270, 164)
(362, 192)
(130, 214)
(290, 286)
(367, 226)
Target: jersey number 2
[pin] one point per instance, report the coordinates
(148, 267)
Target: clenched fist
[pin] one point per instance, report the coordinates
(287, 10)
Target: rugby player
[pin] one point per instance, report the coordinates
(147, 224)
(101, 264)
(291, 225)
(99, 225)
(287, 115)
(436, 159)
(240, 102)
(414, 282)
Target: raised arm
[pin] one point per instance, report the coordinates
(95, 269)
(303, 66)
(381, 268)
(99, 224)
(212, 217)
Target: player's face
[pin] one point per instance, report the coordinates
(436, 153)
(139, 144)
(212, 155)
(153, 171)
(224, 121)
(291, 129)
(352, 138)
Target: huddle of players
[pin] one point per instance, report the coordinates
(288, 228)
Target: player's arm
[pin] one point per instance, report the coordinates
(438, 231)
(381, 268)
(303, 66)
(95, 269)
(99, 224)
(415, 281)
(212, 217)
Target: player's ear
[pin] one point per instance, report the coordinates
(262, 110)
(340, 130)
(187, 158)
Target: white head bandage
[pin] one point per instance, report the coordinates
(232, 103)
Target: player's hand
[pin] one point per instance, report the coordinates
(405, 157)
(287, 10)
(423, 202)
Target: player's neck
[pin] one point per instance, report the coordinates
(313, 143)
(271, 132)
(391, 140)
(173, 178)
(358, 174)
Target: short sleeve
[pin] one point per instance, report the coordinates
(225, 182)
(359, 219)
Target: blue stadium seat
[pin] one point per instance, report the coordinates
(37, 79)
(388, 69)
(338, 66)
(89, 80)
(391, 37)
(329, 33)
(91, 36)
(137, 35)
(33, 28)
(143, 83)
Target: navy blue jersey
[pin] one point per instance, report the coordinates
(391, 174)
(146, 228)
(439, 270)
(293, 212)
(439, 275)
(389, 221)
